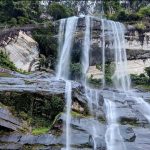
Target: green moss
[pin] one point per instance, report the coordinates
(146, 88)
(102, 119)
(128, 121)
(3, 74)
(38, 131)
(78, 115)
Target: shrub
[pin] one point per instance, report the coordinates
(13, 22)
(22, 20)
(76, 71)
(140, 26)
(147, 70)
(139, 79)
(5, 61)
(144, 11)
(122, 16)
(53, 107)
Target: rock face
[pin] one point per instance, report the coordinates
(8, 122)
(22, 50)
(85, 129)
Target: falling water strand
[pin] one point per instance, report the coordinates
(86, 48)
(64, 60)
(63, 71)
(120, 76)
(68, 117)
(127, 76)
(103, 52)
(92, 97)
(113, 138)
(61, 35)
(90, 93)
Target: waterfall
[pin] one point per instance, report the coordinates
(114, 140)
(120, 76)
(63, 67)
(114, 32)
(64, 60)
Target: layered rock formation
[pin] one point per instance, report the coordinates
(22, 50)
(41, 87)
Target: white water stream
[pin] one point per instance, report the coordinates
(113, 138)
(68, 116)
(64, 60)
(63, 67)
(120, 77)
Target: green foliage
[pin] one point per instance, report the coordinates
(47, 43)
(114, 4)
(58, 11)
(54, 106)
(124, 15)
(13, 22)
(38, 131)
(95, 83)
(144, 11)
(5, 61)
(147, 70)
(140, 26)
(35, 105)
(76, 71)
(109, 69)
(139, 79)
(22, 11)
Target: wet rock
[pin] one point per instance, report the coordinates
(12, 138)
(127, 133)
(98, 143)
(11, 146)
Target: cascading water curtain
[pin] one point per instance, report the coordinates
(120, 77)
(63, 69)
